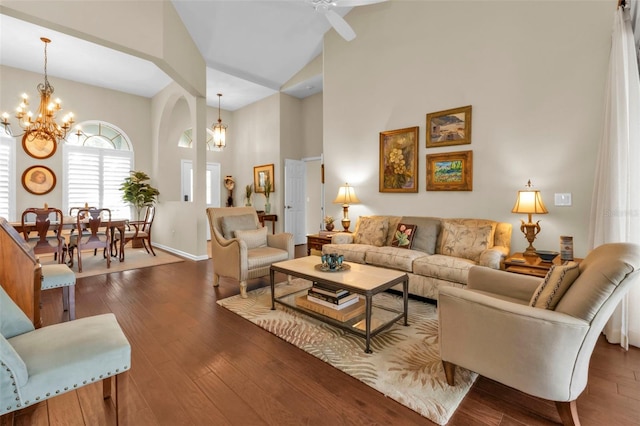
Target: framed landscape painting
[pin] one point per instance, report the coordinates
(451, 171)
(399, 160)
(449, 127)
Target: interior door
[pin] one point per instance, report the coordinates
(294, 200)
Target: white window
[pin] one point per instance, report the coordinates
(96, 164)
(7, 177)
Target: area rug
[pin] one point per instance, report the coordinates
(405, 363)
(134, 258)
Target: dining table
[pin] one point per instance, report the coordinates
(71, 222)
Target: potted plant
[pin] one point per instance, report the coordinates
(328, 223)
(248, 190)
(137, 192)
(267, 191)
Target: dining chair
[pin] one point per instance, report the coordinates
(137, 230)
(97, 224)
(48, 223)
(57, 275)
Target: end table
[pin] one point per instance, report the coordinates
(531, 265)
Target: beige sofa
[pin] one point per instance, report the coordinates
(441, 254)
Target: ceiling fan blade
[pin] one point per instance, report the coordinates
(353, 3)
(340, 25)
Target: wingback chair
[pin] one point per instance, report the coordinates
(47, 362)
(494, 327)
(243, 249)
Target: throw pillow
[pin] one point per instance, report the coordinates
(464, 241)
(253, 238)
(426, 234)
(240, 222)
(371, 230)
(555, 285)
(403, 238)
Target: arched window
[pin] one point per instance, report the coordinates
(96, 162)
(186, 140)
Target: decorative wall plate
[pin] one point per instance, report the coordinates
(39, 145)
(39, 180)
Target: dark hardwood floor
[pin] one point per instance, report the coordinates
(194, 363)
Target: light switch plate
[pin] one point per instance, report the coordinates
(563, 199)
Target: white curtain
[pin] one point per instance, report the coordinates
(615, 210)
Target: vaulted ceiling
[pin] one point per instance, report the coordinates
(251, 48)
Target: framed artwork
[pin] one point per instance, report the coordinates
(449, 127)
(39, 145)
(260, 175)
(39, 180)
(399, 160)
(450, 171)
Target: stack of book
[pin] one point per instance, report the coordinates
(335, 299)
(340, 305)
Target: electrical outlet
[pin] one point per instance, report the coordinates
(563, 199)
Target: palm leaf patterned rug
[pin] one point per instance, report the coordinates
(405, 363)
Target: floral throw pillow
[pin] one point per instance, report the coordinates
(371, 230)
(465, 241)
(403, 237)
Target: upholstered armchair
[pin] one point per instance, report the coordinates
(39, 364)
(241, 248)
(536, 335)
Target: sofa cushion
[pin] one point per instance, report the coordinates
(371, 230)
(447, 268)
(393, 257)
(426, 235)
(473, 223)
(254, 238)
(403, 236)
(555, 284)
(465, 241)
(351, 252)
(264, 256)
(233, 223)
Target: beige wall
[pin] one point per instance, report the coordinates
(130, 113)
(534, 73)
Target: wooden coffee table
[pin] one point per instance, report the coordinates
(365, 280)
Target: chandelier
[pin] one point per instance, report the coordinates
(44, 125)
(219, 130)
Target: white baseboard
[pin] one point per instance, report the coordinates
(181, 253)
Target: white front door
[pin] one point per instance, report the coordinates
(294, 200)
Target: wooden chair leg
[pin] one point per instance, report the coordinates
(65, 298)
(7, 419)
(449, 372)
(122, 391)
(71, 301)
(568, 413)
(106, 387)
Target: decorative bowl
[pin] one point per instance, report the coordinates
(547, 255)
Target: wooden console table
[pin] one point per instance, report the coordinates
(273, 218)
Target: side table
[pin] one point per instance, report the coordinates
(316, 241)
(531, 265)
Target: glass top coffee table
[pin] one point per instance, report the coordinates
(365, 280)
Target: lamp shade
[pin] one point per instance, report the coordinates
(346, 195)
(529, 202)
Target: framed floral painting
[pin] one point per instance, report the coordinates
(399, 160)
(450, 171)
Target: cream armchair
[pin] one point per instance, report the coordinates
(490, 328)
(241, 248)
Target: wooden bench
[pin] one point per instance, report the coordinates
(20, 272)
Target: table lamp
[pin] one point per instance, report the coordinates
(346, 196)
(529, 202)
